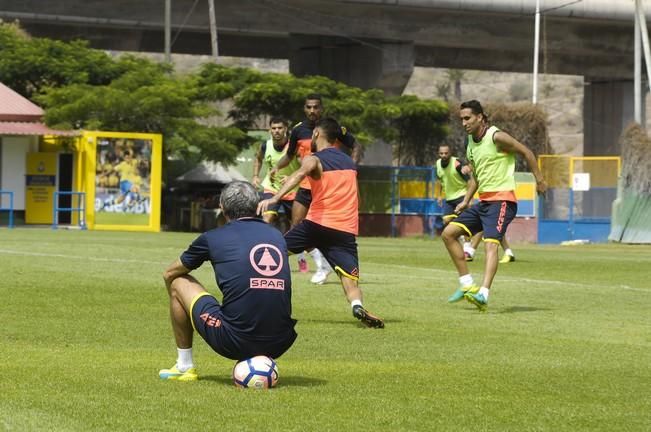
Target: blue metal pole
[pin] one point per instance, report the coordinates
(55, 207)
(82, 212)
(11, 209)
(393, 202)
(570, 216)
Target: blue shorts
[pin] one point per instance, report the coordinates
(125, 187)
(338, 247)
(219, 335)
(449, 206)
(284, 206)
(491, 217)
(304, 196)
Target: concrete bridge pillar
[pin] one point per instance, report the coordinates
(607, 110)
(365, 64)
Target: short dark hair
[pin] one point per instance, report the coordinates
(474, 106)
(314, 96)
(330, 127)
(277, 119)
(444, 145)
(239, 199)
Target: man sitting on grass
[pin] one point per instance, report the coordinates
(249, 258)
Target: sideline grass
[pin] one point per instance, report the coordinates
(564, 346)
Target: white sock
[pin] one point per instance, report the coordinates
(508, 252)
(317, 257)
(484, 291)
(466, 280)
(469, 249)
(184, 359)
(355, 303)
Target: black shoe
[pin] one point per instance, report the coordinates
(367, 318)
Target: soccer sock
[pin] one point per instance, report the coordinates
(466, 280)
(318, 258)
(508, 252)
(469, 249)
(184, 359)
(355, 303)
(484, 291)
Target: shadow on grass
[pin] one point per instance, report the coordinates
(349, 322)
(285, 381)
(517, 309)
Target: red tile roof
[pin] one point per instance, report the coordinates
(19, 116)
(31, 128)
(14, 107)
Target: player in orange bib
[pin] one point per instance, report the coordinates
(300, 146)
(331, 224)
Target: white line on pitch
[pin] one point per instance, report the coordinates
(90, 258)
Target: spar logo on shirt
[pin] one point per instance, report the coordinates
(267, 260)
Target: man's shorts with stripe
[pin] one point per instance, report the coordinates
(304, 196)
(223, 339)
(449, 206)
(338, 247)
(491, 217)
(283, 206)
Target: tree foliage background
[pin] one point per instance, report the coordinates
(524, 121)
(86, 88)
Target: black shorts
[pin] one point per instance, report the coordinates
(284, 206)
(304, 196)
(218, 334)
(449, 206)
(338, 247)
(491, 217)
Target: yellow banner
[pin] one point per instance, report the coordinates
(40, 183)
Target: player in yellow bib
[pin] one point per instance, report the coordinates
(268, 155)
(454, 174)
(449, 171)
(491, 154)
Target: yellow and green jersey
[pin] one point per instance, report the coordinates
(128, 171)
(271, 156)
(493, 169)
(453, 184)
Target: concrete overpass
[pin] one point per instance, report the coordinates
(376, 43)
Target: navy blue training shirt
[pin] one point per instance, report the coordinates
(251, 267)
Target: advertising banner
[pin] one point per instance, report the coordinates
(123, 181)
(40, 182)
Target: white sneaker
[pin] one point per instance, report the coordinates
(320, 277)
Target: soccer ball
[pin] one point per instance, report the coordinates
(259, 372)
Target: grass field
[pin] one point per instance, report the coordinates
(106, 218)
(564, 346)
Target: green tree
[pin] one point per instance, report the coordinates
(146, 98)
(27, 65)
(414, 125)
(417, 126)
(85, 88)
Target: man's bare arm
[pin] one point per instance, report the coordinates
(309, 166)
(173, 271)
(506, 143)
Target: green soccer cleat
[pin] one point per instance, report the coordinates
(507, 259)
(478, 300)
(174, 374)
(461, 291)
